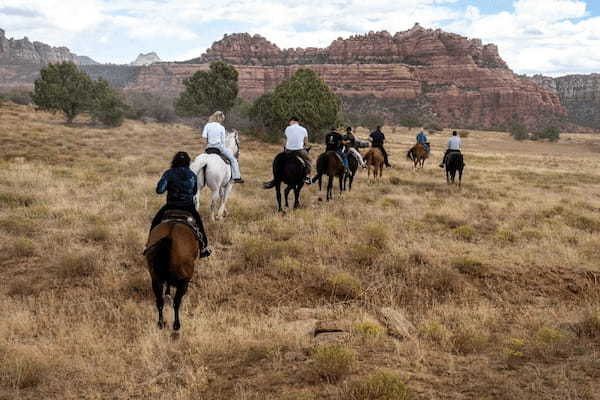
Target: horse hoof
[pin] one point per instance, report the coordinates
(176, 326)
(161, 324)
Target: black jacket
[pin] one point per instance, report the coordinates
(378, 138)
(333, 140)
(181, 185)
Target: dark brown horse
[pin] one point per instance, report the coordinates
(418, 154)
(374, 159)
(454, 163)
(171, 252)
(288, 168)
(330, 164)
(349, 178)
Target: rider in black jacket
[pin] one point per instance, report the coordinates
(377, 139)
(181, 186)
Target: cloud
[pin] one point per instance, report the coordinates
(548, 36)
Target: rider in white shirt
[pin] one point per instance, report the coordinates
(454, 144)
(297, 143)
(214, 133)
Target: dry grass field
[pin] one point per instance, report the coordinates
(501, 279)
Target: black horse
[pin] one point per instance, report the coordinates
(349, 178)
(290, 169)
(454, 162)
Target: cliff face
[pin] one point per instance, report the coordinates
(21, 52)
(579, 94)
(444, 76)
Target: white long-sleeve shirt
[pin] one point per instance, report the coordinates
(454, 143)
(214, 133)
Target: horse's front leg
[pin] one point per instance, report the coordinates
(181, 289)
(341, 178)
(157, 288)
(286, 192)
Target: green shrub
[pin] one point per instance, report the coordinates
(333, 362)
(590, 326)
(344, 286)
(369, 329)
(107, 106)
(519, 131)
(550, 133)
(208, 91)
(381, 385)
(464, 232)
(306, 96)
(376, 235)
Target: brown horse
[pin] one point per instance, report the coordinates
(171, 252)
(330, 164)
(374, 158)
(418, 154)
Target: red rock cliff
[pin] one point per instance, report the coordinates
(453, 79)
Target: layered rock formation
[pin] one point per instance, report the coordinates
(579, 94)
(22, 52)
(443, 76)
(146, 59)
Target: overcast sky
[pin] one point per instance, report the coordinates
(554, 37)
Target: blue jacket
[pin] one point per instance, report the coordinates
(181, 185)
(421, 138)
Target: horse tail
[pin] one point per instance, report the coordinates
(159, 257)
(198, 166)
(409, 154)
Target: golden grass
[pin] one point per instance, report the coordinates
(500, 278)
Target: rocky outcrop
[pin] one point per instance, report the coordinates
(443, 76)
(417, 46)
(579, 94)
(23, 52)
(146, 59)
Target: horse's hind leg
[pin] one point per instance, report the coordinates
(214, 198)
(157, 288)
(224, 196)
(460, 171)
(181, 289)
(278, 195)
(297, 190)
(329, 188)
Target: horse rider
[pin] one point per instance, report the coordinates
(296, 144)
(181, 186)
(214, 133)
(454, 144)
(422, 139)
(377, 139)
(334, 141)
(351, 146)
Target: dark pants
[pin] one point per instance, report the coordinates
(385, 155)
(282, 157)
(189, 208)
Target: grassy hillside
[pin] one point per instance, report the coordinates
(500, 279)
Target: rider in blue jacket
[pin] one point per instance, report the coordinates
(181, 186)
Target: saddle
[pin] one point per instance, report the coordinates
(183, 217)
(289, 154)
(212, 150)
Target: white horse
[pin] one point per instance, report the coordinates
(213, 172)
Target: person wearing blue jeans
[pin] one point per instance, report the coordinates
(335, 142)
(214, 133)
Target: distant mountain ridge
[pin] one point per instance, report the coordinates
(579, 94)
(24, 52)
(146, 59)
